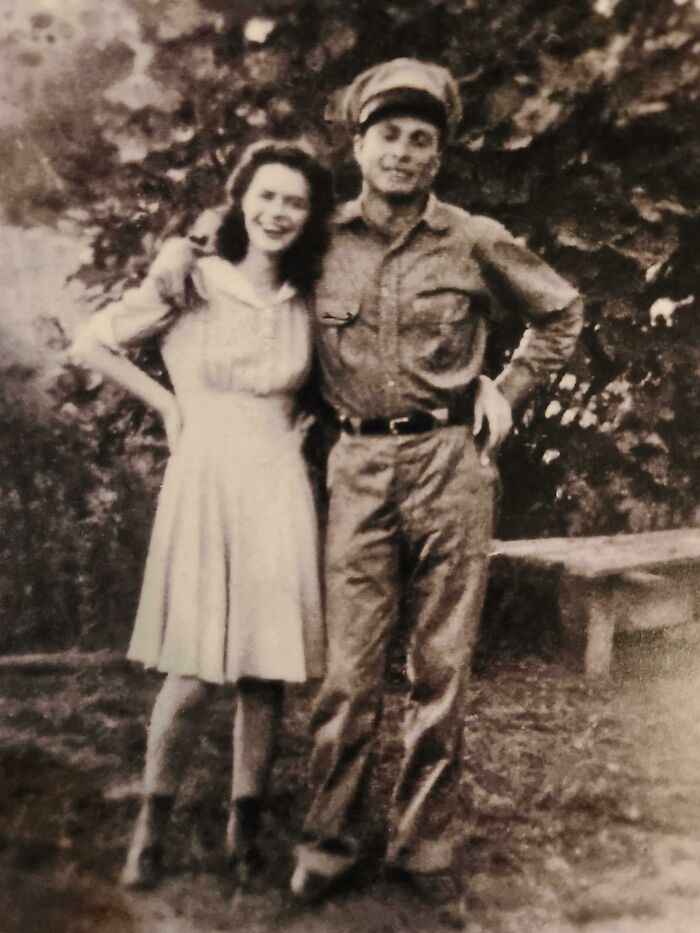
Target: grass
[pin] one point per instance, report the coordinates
(581, 804)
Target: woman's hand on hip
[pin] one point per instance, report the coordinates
(302, 425)
(172, 421)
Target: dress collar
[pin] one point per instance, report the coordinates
(225, 276)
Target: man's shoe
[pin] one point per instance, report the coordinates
(307, 885)
(442, 892)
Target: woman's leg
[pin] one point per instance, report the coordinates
(168, 746)
(256, 725)
(170, 732)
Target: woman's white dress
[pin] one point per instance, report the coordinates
(231, 586)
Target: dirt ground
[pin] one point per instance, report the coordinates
(581, 806)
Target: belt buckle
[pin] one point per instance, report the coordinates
(395, 422)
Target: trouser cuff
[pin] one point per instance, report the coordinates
(427, 858)
(320, 861)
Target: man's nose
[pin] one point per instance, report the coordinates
(402, 148)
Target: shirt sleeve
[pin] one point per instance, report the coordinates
(138, 315)
(551, 308)
(145, 311)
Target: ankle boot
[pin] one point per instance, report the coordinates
(241, 838)
(144, 860)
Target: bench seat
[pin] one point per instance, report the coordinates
(606, 584)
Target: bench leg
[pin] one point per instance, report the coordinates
(588, 622)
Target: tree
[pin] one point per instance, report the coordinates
(580, 133)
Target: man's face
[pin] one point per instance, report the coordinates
(399, 157)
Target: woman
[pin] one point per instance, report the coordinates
(230, 592)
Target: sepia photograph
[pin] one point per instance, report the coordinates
(350, 466)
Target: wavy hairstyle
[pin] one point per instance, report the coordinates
(301, 264)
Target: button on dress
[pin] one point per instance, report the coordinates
(231, 585)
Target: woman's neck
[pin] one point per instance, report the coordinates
(261, 270)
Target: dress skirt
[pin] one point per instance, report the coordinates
(231, 585)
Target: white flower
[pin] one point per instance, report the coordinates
(550, 455)
(567, 381)
(652, 272)
(665, 308)
(183, 134)
(258, 28)
(552, 409)
(605, 7)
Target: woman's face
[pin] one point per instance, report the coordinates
(275, 207)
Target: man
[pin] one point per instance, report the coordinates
(402, 315)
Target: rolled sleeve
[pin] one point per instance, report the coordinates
(544, 348)
(138, 315)
(551, 307)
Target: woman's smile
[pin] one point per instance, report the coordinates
(275, 207)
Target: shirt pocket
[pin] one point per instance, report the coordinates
(436, 320)
(336, 312)
(438, 307)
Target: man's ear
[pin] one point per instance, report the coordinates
(357, 143)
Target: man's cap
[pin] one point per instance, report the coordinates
(402, 85)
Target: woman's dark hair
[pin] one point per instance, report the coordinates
(301, 264)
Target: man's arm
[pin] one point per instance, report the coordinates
(552, 309)
(174, 262)
(544, 348)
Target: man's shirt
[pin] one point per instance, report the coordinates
(403, 325)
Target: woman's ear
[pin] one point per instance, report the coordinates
(357, 143)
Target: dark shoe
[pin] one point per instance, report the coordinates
(442, 892)
(240, 842)
(144, 861)
(247, 867)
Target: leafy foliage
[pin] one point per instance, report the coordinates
(580, 133)
(74, 521)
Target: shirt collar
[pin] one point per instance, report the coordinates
(435, 215)
(229, 278)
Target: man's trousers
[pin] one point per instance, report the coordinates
(409, 525)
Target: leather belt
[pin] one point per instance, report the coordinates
(413, 422)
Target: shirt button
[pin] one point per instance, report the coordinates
(391, 383)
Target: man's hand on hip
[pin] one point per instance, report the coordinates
(493, 418)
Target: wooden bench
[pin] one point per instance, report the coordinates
(610, 584)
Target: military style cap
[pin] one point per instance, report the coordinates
(402, 85)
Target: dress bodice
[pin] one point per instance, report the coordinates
(226, 339)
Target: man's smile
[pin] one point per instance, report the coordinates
(401, 174)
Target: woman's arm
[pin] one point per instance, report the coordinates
(89, 351)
